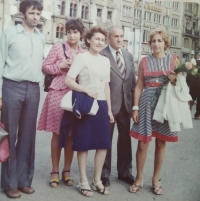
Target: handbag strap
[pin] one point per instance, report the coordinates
(64, 49)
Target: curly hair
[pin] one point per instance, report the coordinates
(163, 33)
(25, 5)
(73, 24)
(89, 33)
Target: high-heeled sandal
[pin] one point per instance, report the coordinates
(100, 190)
(136, 187)
(68, 180)
(84, 191)
(158, 190)
(55, 181)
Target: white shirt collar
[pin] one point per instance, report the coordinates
(113, 51)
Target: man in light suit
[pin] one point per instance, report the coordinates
(122, 84)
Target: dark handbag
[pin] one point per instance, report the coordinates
(49, 78)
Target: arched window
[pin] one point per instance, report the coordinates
(60, 31)
(73, 9)
(85, 11)
(62, 9)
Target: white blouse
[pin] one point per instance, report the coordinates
(97, 75)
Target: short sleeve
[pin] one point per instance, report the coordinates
(76, 66)
(107, 78)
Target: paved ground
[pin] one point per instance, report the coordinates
(180, 174)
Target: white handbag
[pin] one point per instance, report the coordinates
(66, 101)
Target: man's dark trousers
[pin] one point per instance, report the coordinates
(124, 152)
(20, 102)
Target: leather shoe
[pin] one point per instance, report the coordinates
(129, 179)
(105, 181)
(27, 189)
(13, 193)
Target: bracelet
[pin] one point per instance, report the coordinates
(135, 108)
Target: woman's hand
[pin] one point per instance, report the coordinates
(172, 77)
(135, 116)
(92, 93)
(65, 64)
(112, 120)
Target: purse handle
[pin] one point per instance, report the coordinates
(64, 49)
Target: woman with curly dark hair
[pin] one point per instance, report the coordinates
(50, 118)
(92, 132)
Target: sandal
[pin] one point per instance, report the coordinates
(158, 190)
(136, 187)
(55, 181)
(68, 180)
(102, 191)
(85, 192)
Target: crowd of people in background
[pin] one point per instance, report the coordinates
(104, 72)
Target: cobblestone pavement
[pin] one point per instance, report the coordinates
(180, 173)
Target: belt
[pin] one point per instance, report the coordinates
(153, 84)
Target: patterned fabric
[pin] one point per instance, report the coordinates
(54, 58)
(51, 114)
(146, 128)
(120, 64)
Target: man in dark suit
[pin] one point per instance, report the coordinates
(122, 84)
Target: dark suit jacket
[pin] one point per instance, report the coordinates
(121, 88)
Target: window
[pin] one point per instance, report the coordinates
(60, 31)
(62, 10)
(127, 11)
(175, 5)
(158, 2)
(109, 16)
(157, 18)
(99, 13)
(145, 36)
(73, 9)
(166, 21)
(186, 6)
(174, 22)
(137, 13)
(174, 41)
(186, 42)
(85, 11)
(147, 16)
(167, 4)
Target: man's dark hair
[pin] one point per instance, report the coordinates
(73, 24)
(26, 4)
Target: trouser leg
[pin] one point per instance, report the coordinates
(124, 152)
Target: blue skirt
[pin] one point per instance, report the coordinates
(92, 131)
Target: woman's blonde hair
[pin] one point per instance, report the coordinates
(163, 33)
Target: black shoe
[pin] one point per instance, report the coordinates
(129, 179)
(105, 181)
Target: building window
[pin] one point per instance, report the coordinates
(158, 2)
(109, 16)
(60, 31)
(85, 11)
(127, 11)
(174, 22)
(137, 14)
(62, 10)
(175, 5)
(157, 18)
(73, 9)
(99, 13)
(186, 6)
(166, 21)
(174, 41)
(186, 43)
(145, 36)
(167, 4)
(147, 16)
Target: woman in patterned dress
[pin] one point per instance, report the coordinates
(152, 71)
(51, 115)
